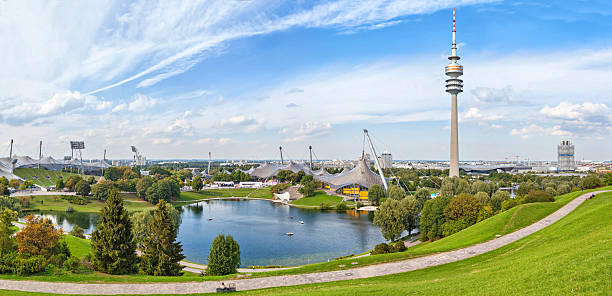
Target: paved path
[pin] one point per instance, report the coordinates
(194, 267)
(291, 280)
(39, 193)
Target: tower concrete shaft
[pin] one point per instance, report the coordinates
(454, 86)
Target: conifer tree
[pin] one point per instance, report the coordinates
(224, 256)
(161, 252)
(112, 244)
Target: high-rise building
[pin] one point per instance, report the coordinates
(565, 157)
(386, 160)
(454, 86)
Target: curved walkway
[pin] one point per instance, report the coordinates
(291, 280)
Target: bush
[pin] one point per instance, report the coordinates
(591, 181)
(77, 232)
(398, 246)
(538, 196)
(278, 188)
(382, 248)
(453, 226)
(7, 261)
(484, 213)
(341, 207)
(509, 204)
(72, 264)
(325, 206)
(224, 256)
(31, 265)
(69, 209)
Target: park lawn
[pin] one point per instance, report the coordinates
(79, 247)
(43, 177)
(56, 203)
(317, 199)
(570, 257)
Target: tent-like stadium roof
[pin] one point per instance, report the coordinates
(360, 175)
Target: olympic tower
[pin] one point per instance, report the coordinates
(454, 86)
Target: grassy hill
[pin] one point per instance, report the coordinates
(317, 199)
(41, 177)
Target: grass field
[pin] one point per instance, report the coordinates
(316, 200)
(79, 247)
(570, 257)
(42, 177)
(56, 203)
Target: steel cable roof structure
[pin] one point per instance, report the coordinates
(8, 164)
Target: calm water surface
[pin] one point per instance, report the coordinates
(261, 228)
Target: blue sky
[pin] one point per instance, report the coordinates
(240, 78)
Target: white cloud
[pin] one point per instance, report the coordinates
(119, 107)
(141, 103)
(306, 130)
(162, 141)
(224, 141)
(205, 141)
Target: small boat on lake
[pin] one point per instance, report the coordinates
(290, 233)
(301, 222)
(209, 219)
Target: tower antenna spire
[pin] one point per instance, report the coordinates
(454, 86)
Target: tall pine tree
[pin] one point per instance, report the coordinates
(161, 252)
(112, 244)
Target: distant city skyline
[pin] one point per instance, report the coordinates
(240, 78)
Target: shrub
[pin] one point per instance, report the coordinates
(453, 226)
(381, 248)
(484, 213)
(538, 196)
(77, 232)
(72, 264)
(591, 181)
(341, 207)
(38, 237)
(509, 204)
(224, 256)
(278, 188)
(498, 198)
(325, 206)
(31, 265)
(69, 209)
(7, 261)
(398, 246)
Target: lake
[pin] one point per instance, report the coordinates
(260, 227)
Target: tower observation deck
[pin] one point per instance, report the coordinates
(454, 85)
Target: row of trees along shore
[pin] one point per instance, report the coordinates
(463, 202)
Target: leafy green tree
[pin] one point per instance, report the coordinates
(461, 212)
(224, 256)
(463, 186)
(432, 218)
(498, 198)
(422, 195)
(484, 213)
(91, 180)
(72, 181)
(112, 174)
(284, 175)
(375, 193)
(409, 212)
(59, 184)
(483, 198)
(82, 188)
(102, 190)
(389, 219)
(112, 244)
(7, 243)
(591, 181)
(142, 185)
(4, 181)
(196, 184)
(142, 220)
(447, 189)
(538, 196)
(396, 192)
(608, 179)
(563, 188)
(161, 252)
(38, 237)
(308, 188)
(26, 184)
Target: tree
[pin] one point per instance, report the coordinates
(608, 179)
(564, 188)
(4, 181)
(142, 185)
(375, 193)
(422, 195)
(196, 184)
(59, 184)
(143, 219)
(538, 196)
(11, 203)
(283, 175)
(72, 181)
(461, 212)
(591, 181)
(4, 190)
(498, 198)
(396, 192)
(83, 188)
(112, 244)
(26, 184)
(161, 252)
(112, 173)
(38, 237)
(7, 243)
(480, 186)
(483, 198)
(102, 189)
(389, 219)
(432, 218)
(224, 256)
(463, 186)
(409, 213)
(14, 183)
(308, 188)
(91, 180)
(447, 189)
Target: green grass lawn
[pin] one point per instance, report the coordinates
(79, 247)
(190, 196)
(316, 200)
(56, 203)
(570, 257)
(42, 177)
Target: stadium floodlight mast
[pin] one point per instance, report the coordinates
(78, 146)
